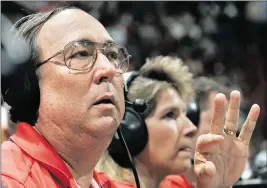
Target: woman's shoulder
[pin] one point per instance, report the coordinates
(175, 181)
(104, 180)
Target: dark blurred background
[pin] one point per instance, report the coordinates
(222, 39)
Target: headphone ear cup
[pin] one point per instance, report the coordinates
(21, 91)
(135, 133)
(193, 113)
(128, 78)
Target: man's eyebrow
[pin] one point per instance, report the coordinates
(109, 41)
(86, 39)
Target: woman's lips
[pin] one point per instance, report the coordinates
(186, 151)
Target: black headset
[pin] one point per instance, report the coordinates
(21, 91)
(193, 112)
(134, 129)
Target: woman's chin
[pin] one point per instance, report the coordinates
(183, 167)
(188, 163)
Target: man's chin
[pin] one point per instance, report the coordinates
(105, 126)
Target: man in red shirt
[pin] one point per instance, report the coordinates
(73, 102)
(81, 102)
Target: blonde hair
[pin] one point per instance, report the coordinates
(169, 69)
(155, 75)
(114, 171)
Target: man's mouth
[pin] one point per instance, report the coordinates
(104, 101)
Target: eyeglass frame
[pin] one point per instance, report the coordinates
(128, 56)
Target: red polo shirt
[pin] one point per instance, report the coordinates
(29, 161)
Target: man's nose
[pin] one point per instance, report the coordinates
(105, 70)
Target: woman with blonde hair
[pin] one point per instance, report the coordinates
(160, 139)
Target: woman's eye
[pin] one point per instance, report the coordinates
(170, 115)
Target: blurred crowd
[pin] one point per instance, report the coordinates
(222, 39)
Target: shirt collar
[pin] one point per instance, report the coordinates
(32, 143)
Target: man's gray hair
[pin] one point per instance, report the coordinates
(29, 98)
(29, 26)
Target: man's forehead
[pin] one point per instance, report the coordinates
(71, 25)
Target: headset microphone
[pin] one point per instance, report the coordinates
(138, 105)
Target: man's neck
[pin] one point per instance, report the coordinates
(79, 152)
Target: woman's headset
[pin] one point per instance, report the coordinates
(134, 130)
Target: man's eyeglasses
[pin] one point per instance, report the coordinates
(81, 55)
